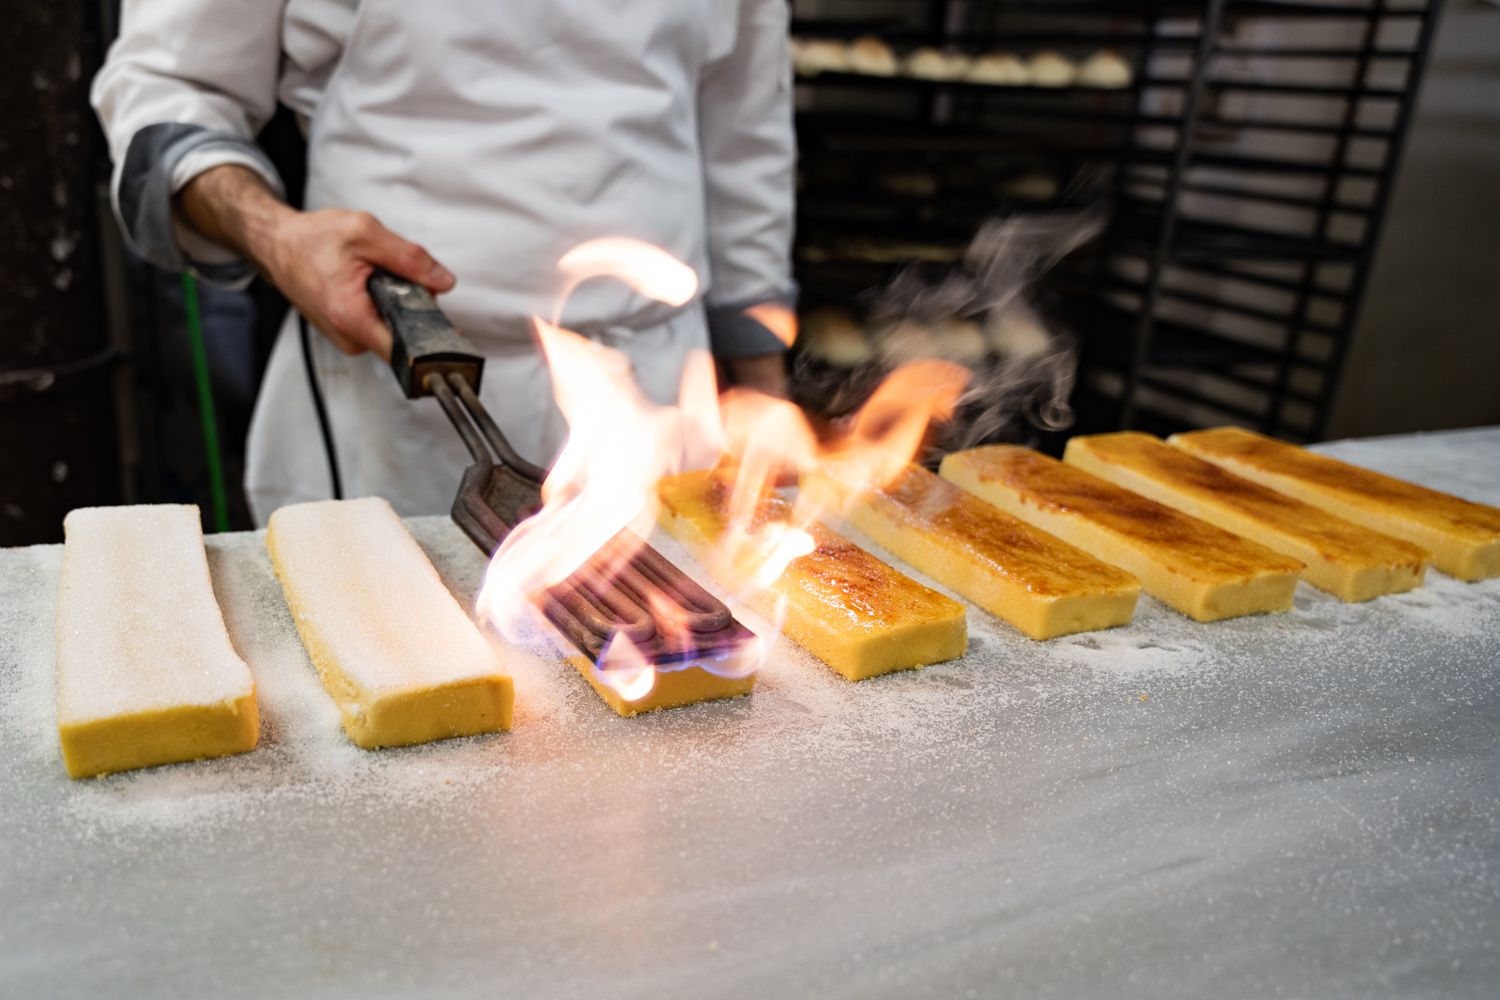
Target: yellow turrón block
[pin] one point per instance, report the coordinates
(400, 658)
(671, 687)
(145, 670)
(1203, 571)
(1349, 561)
(1040, 584)
(849, 609)
(1463, 537)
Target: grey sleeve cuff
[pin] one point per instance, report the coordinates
(145, 185)
(734, 333)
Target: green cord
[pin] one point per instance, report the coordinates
(205, 403)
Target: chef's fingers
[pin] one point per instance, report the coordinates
(352, 324)
(342, 342)
(402, 258)
(363, 326)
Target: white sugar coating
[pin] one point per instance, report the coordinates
(360, 584)
(138, 628)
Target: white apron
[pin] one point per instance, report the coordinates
(497, 135)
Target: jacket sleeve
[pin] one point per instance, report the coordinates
(186, 87)
(749, 159)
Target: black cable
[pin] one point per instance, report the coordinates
(324, 427)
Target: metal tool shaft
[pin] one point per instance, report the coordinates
(626, 588)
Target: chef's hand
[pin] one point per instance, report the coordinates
(319, 260)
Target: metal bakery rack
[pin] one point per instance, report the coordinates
(1246, 167)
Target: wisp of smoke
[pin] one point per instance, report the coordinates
(981, 314)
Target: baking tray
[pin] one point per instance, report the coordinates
(1303, 805)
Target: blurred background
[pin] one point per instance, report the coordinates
(1279, 214)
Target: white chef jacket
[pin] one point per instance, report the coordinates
(497, 135)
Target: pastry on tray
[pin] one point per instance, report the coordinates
(871, 56)
(1052, 69)
(999, 69)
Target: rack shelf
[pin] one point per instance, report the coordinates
(1244, 208)
(1136, 226)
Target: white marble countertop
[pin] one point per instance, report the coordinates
(1305, 804)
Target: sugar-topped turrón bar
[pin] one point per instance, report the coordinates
(1463, 537)
(400, 658)
(847, 608)
(1351, 562)
(1040, 584)
(145, 671)
(1205, 572)
(672, 686)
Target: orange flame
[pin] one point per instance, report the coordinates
(889, 429)
(766, 440)
(604, 480)
(620, 443)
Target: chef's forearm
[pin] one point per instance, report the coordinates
(320, 259)
(234, 207)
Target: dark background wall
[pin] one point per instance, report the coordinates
(57, 411)
(1426, 354)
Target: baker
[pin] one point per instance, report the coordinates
(477, 140)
